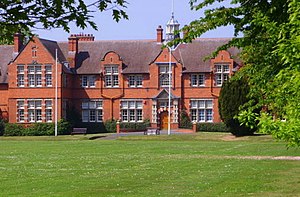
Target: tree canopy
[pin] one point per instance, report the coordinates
(270, 46)
(24, 15)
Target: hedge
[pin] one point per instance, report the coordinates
(37, 129)
(212, 127)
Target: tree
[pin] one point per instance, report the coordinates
(234, 94)
(271, 54)
(23, 15)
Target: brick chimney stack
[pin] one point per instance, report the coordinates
(18, 43)
(159, 34)
(73, 50)
(85, 37)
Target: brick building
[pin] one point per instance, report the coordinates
(123, 80)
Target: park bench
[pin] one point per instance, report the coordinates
(152, 131)
(79, 131)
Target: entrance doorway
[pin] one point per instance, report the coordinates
(164, 119)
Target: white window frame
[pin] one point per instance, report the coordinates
(92, 111)
(111, 78)
(197, 80)
(131, 110)
(201, 110)
(135, 81)
(164, 76)
(222, 72)
(88, 81)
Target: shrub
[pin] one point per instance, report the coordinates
(2, 126)
(132, 126)
(185, 121)
(12, 129)
(111, 126)
(212, 127)
(233, 95)
(39, 129)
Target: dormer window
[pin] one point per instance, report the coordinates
(135, 81)
(197, 80)
(221, 73)
(111, 76)
(88, 81)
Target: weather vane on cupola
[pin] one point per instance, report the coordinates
(172, 26)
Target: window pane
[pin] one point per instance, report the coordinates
(209, 115)
(108, 81)
(115, 70)
(139, 104)
(194, 80)
(99, 104)
(99, 116)
(30, 104)
(92, 115)
(20, 80)
(92, 80)
(131, 104)
(139, 81)
(85, 115)
(115, 80)
(31, 69)
(38, 115)
(226, 68)
(20, 69)
(48, 115)
(194, 104)
(209, 104)
(131, 81)
(132, 115)
(108, 70)
(38, 79)
(124, 115)
(201, 79)
(92, 105)
(38, 104)
(139, 115)
(31, 80)
(124, 104)
(201, 115)
(48, 68)
(194, 115)
(38, 69)
(85, 105)
(48, 80)
(201, 104)
(84, 81)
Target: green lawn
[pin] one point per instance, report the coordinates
(203, 164)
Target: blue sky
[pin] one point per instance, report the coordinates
(144, 17)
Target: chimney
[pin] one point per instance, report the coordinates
(18, 43)
(85, 37)
(73, 50)
(159, 34)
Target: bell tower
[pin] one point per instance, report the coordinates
(172, 26)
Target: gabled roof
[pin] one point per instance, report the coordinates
(192, 55)
(51, 46)
(6, 52)
(135, 54)
(164, 94)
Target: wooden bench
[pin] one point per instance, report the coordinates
(79, 131)
(152, 131)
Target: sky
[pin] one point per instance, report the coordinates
(144, 18)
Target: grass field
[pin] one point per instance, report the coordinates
(203, 164)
